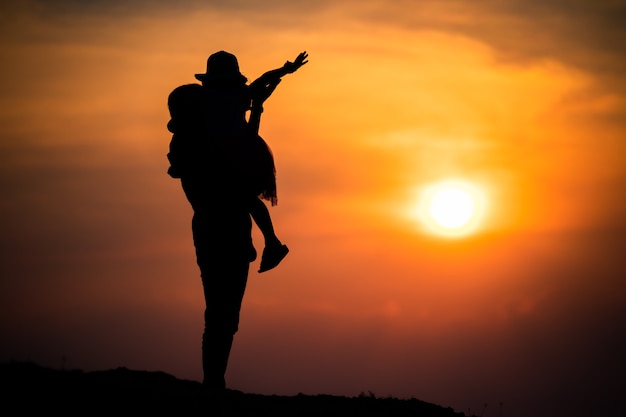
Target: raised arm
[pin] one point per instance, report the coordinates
(264, 86)
(271, 76)
(256, 109)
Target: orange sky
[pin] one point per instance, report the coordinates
(524, 99)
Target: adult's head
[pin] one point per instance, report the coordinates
(222, 67)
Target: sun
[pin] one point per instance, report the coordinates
(451, 208)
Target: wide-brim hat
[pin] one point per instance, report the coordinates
(222, 66)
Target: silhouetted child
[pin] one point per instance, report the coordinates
(216, 111)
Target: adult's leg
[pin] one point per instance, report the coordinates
(224, 270)
(223, 293)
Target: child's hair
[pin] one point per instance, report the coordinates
(184, 101)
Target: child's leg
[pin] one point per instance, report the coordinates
(261, 216)
(274, 250)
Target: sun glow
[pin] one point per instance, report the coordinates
(451, 208)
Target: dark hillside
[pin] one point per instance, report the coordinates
(30, 388)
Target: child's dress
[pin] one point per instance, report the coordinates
(212, 120)
(253, 161)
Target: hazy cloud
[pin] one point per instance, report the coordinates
(586, 34)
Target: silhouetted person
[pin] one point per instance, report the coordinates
(224, 166)
(227, 104)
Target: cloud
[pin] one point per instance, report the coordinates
(585, 34)
(103, 9)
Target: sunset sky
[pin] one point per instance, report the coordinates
(523, 99)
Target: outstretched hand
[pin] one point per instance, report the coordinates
(300, 60)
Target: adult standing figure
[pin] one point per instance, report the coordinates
(224, 166)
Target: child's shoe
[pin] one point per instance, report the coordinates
(272, 255)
